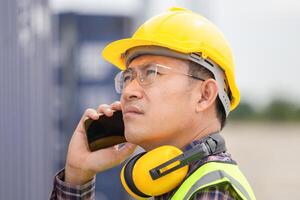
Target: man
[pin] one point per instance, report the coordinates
(177, 88)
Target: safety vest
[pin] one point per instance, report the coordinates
(214, 173)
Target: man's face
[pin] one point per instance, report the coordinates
(158, 113)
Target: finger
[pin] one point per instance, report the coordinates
(124, 152)
(105, 109)
(116, 105)
(90, 113)
(128, 147)
(114, 156)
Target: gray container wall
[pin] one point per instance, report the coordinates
(85, 80)
(29, 141)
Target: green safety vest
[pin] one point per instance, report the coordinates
(214, 173)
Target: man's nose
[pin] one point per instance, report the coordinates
(132, 91)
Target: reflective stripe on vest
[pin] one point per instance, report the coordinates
(214, 173)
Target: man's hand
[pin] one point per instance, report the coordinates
(82, 164)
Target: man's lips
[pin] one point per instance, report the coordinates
(132, 109)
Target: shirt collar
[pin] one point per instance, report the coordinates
(196, 142)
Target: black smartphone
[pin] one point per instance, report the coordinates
(105, 132)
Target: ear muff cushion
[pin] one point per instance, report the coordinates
(142, 178)
(127, 181)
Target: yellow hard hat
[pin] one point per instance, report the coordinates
(183, 31)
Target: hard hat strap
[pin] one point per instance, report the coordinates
(219, 77)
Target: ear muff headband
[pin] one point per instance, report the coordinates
(212, 144)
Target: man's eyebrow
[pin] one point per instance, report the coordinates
(143, 66)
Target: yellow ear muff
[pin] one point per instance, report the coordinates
(136, 178)
(126, 179)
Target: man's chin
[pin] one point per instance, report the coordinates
(133, 136)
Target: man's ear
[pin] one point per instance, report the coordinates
(207, 95)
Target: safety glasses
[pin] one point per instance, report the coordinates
(146, 75)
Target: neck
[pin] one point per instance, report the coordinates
(185, 137)
(212, 127)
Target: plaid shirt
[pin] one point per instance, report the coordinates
(65, 191)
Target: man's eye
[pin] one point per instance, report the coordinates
(150, 71)
(126, 77)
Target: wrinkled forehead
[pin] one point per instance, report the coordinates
(135, 52)
(146, 59)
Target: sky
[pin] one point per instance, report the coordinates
(264, 36)
(265, 39)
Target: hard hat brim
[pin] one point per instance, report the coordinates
(113, 52)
